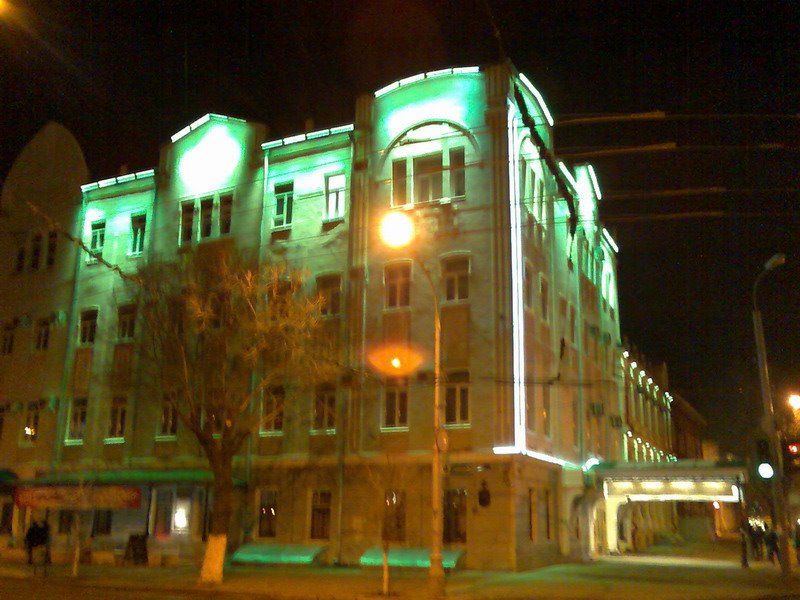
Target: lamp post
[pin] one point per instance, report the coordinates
(397, 231)
(770, 427)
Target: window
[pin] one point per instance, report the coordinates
(98, 239)
(101, 522)
(572, 318)
(66, 518)
(36, 250)
(7, 342)
(206, 214)
(395, 413)
(544, 297)
(546, 410)
(169, 419)
(427, 178)
(394, 516)
(77, 419)
(334, 196)
(284, 198)
(116, 426)
(399, 182)
(329, 289)
(456, 278)
(30, 430)
(456, 399)
(268, 514)
(19, 265)
(126, 321)
(272, 406)
(6, 518)
(225, 213)
(530, 405)
(527, 291)
(325, 408)
(457, 179)
(88, 329)
(397, 279)
(42, 334)
(575, 422)
(162, 523)
(2, 420)
(187, 222)
(539, 513)
(455, 516)
(52, 246)
(321, 515)
(138, 230)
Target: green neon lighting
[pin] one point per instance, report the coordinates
(202, 121)
(106, 182)
(610, 241)
(273, 144)
(277, 554)
(89, 186)
(409, 557)
(539, 98)
(211, 161)
(115, 180)
(595, 184)
(295, 138)
(420, 76)
(302, 137)
(412, 79)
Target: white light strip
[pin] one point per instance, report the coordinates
(202, 121)
(568, 175)
(533, 454)
(302, 137)
(595, 185)
(103, 183)
(538, 97)
(678, 497)
(430, 74)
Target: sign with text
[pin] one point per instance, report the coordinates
(75, 497)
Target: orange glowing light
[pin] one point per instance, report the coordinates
(395, 360)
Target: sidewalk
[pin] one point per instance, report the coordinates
(618, 578)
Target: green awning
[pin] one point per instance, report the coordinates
(128, 476)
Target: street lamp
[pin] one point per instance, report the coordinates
(770, 427)
(397, 231)
(794, 401)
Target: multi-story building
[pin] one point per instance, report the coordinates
(508, 238)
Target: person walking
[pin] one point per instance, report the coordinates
(32, 537)
(771, 543)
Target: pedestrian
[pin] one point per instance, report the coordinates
(32, 537)
(771, 543)
(45, 533)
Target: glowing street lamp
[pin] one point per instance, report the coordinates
(397, 231)
(794, 401)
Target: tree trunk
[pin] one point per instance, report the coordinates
(222, 509)
(385, 589)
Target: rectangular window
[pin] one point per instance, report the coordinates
(334, 196)
(42, 334)
(98, 239)
(169, 419)
(116, 426)
(2, 420)
(7, 342)
(272, 406)
(187, 222)
(268, 514)
(52, 246)
(546, 410)
(399, 182)
(530, 405)
(126, 322)
(206, 216)
(394, 516)
(397, 279)
(284, 198)
(457, 178)
(321, 515)
(427, 178)
(456, 398)
(19, 264)
(77, 419)
(66, 518)
(36, 250)
(225, 214)
(456, 278)
(138, 230)
(30, 430)
(527, 291)
(6, 518)
(101, 522)
(395, 413)
(88, 329)
(572, 318)
(325, 408)
(544, 297)
(162, 523)
(455, 516)
(329, 289)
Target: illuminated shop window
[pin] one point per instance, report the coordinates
(97, 239)
(329, 289)
(394, 516)
(77, 419)
(397, 279)
(272, 407)
(321, 515)
(88, 326)
(395, 408)
(268, 514)
(456, 278)
(42, 334)
(455, 516)
(284, 199)
(456, 398)
(138, 230)
(180, 517)
(334, 197)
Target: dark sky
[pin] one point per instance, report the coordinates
(123, 76)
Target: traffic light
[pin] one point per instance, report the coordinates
(791, 456)
(764, 463)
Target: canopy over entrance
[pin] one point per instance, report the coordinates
(682, 481)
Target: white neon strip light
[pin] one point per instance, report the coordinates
(610, 241)
(595, 185)
(538, 97)
(517, 282)
(680, 497)
(302, 137)
(568, 175)
(533, 454)
(103, 183)
(202, 121)
(430, 74)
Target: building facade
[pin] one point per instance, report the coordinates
(507, 238)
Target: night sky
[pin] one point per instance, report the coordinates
(124, 76)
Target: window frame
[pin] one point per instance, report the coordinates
(138, 232)
(329, 288)
(272, 520)
(167, 428)
(324, 421)
(456, 276)
(126, 322)
(397, 284)
(97, 239)
(336, 197)
(397, 388)
(457, 382)
(273, 407)
(76, 427)
(117, 418)
(284, 197)
(394, 516)
(42, 339)
(32, 418)
(187, 215)
(321, 504)
(87, 326)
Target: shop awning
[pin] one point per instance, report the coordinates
(127, 476)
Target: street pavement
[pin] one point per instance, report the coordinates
(690, 572)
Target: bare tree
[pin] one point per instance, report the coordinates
(221, 333)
